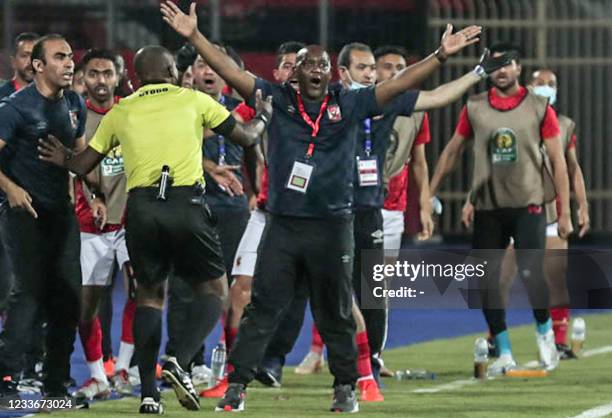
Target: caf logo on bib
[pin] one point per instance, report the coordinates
(112, 164)
(503, 146)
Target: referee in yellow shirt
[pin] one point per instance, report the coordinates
(168, 226)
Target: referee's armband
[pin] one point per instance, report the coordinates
(226, 127)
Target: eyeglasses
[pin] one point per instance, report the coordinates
(310, 65)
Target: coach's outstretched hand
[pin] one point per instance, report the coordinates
(53, 151)
(452, 43)
(185, 25)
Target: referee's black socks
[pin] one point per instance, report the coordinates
(204, 312)
(147, 339)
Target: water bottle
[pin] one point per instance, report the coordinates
(436, 205)
(578, 334)
(217, 365)
(414, 374)
(481, 356)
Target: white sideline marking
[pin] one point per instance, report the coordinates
(597, 351)
(458, 384)
(597, 412)
(447, 386)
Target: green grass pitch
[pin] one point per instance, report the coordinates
(574, 387)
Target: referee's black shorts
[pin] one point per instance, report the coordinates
(177, 234)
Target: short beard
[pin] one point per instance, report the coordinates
(506, 88)
(25, 76)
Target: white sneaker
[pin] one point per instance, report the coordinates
(312, 363)
(121, 383)
(134, 376)
(500, 366)
(549, 356)
(200, 374)
(93, 389)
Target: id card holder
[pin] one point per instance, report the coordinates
(300, 176)
(367, 170)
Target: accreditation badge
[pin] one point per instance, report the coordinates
(503, 146)
(367, 170)
(299, 179)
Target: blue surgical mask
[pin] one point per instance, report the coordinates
(546, 91)
(357, 86)
(354, 85)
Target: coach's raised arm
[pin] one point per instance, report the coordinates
(451, 43)
(411, 76)
(187, 26)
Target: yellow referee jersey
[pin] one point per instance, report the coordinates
(159, 124)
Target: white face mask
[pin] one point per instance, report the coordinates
(546, 91)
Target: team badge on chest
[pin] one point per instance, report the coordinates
(74, 119)
(333, 113)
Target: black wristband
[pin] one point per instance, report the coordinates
(264, 117)
(440, 56)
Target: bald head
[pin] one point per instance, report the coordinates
(311, 51)
(155, 63)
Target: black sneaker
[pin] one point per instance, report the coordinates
(151, 406)
(267, 377)
(270, 372)
(233, 400)
(30, 386)
(566, 353)
(8, 392)
(344, 399)
(68, 402)
(180, 381)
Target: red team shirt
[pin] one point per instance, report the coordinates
(82, 208)
(247, 113)
(548, 130)
(397, 196)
